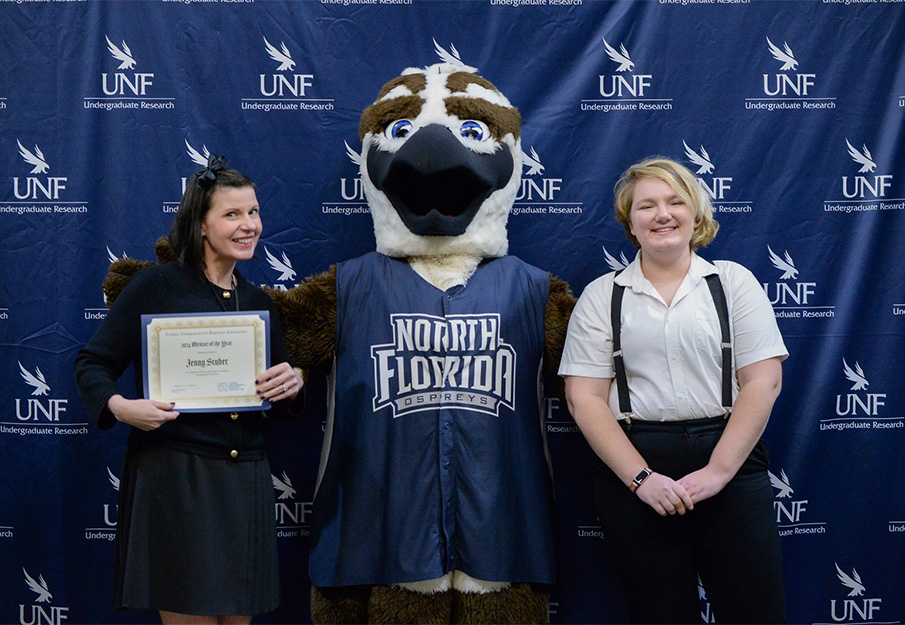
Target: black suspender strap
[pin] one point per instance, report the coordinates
(625, 404)
(722, 311)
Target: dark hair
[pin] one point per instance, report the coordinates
(185, 233)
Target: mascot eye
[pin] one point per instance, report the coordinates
(399, 129)
(474, 130)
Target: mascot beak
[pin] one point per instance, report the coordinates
(436, 183)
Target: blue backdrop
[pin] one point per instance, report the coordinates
(790, 112)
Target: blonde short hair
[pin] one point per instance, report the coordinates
(682, 182)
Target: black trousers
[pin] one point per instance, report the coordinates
(730, 540)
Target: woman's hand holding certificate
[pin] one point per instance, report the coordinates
(206, 362)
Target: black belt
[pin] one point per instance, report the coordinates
(688, 426)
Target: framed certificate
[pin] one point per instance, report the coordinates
(206, 362)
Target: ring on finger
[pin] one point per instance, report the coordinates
(285, 389)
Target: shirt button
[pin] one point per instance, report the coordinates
(234, 454)
(234, 415)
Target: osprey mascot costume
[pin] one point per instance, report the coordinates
(433, 502)
(433, 499)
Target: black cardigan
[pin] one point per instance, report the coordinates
(162, 289)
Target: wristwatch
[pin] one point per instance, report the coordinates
(639, 479)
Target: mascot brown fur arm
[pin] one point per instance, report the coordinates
(560, 303)
(308, 319)
(123, 270)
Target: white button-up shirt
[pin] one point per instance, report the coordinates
(672, 353)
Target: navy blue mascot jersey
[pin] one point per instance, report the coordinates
(434, 456)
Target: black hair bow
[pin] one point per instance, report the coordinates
(207, 175)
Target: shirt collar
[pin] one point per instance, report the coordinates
(700, 268)
(632, 276)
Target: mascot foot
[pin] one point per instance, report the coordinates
(521, 603)
(390, 604)
(341, 605)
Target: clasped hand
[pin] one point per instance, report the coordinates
(668, 497)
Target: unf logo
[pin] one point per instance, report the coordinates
(707, 615)
(289, 511)
(450, 56)
(110, 520)
(786, 84)
(199, 158)
(540, 188)
(40, 614)
(459, 361)
(36, 409)
(356, 192)
(281, 85)
(850, 609)
(853, 404)
(282, 264)
(791, 509)
(112, 257)
(120, 84)
(786, 291)
(619, 85)
(615, 264)
(719, 185)
(106, 531)
(861, 186)
(36, 188)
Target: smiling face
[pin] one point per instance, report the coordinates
(681, 181)
(231, 226)
(660, 219)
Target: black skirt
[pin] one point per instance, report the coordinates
(196, 535)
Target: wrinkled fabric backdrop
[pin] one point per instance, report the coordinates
(790, 113)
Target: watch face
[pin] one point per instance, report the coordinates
(640, 477)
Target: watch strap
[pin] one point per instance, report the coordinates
(639, 479)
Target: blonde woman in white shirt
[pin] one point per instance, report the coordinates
(674, 402)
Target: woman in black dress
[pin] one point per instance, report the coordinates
(196, 538)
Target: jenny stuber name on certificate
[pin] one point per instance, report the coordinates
(206, 362)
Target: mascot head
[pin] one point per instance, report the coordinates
(440, 163)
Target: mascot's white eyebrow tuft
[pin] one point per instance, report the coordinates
(397, 92)
(491, 95)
